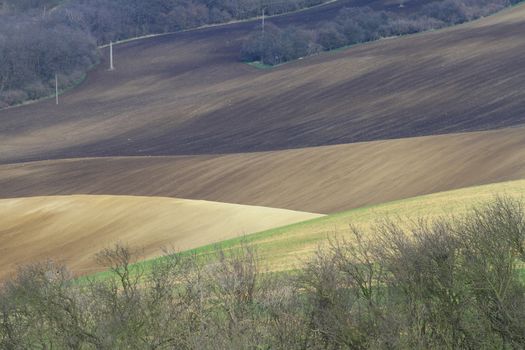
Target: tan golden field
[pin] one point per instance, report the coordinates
(73, 229)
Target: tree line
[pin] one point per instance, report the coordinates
(452, 283)
(39, 38)
(33, 51)
(361, 24)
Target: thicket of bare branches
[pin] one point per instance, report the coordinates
(446, 284)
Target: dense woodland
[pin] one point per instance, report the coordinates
(358, 25)
(39, 38)
(454, 283)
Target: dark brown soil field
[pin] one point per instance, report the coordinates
(323, 179)
(187, 93)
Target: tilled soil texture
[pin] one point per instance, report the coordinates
(72, 229)
(323, 179)
(187, 93)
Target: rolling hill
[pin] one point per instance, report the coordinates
(72, 229)
(321, 179)
(288, 247)
(187, 93)
(402, 129)
(181, 117)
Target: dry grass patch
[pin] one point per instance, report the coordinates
(288, 247)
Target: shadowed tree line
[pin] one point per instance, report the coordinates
(33, 51)
(39, 38)
(453, 283)
(359, 25)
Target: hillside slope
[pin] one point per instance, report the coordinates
(288, 247)
(73, 228)
(322, 179)
(187, 93)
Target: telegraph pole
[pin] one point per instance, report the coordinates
(111, 67)
(262, 27)
(56, 88)
(263, 20)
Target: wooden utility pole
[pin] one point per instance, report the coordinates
(56, 88)
(111, 67)
(262, 28)
(263, 20)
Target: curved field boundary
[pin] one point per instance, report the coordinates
(72, 229)
(322, 179)
(288, 247)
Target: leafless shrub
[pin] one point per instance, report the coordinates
(451, 283)
(493, 242)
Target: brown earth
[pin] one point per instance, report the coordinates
(322, 179)
(187, 93)
(73, 229)
(186, 96)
